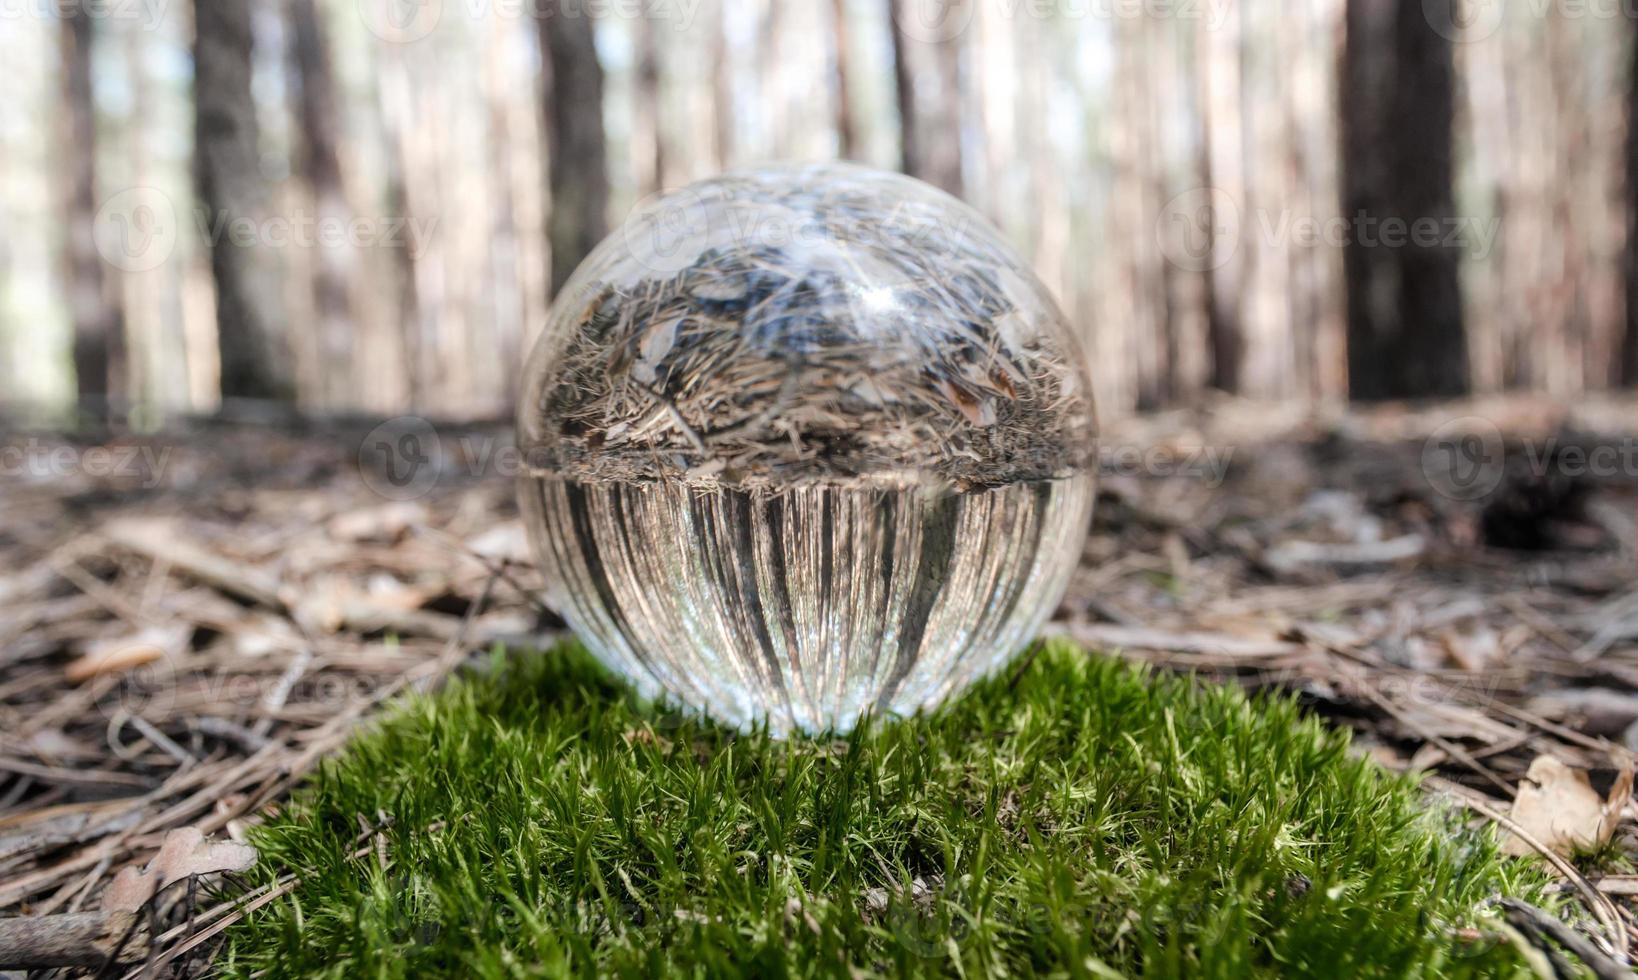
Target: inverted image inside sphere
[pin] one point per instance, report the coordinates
(804, 443)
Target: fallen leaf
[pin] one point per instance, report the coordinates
(1558, 807)
(120, 654)
(184, 853)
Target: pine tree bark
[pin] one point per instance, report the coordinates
(256, 357)
(847, 128)
(318, 164)
(929, 116)
(1221, 156)
(577, 157)
(99, 327)
(648, 140)
(1405, 332)
(1629, 352)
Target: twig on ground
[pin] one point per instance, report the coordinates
(1597, 902)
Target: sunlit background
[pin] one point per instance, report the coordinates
(1092, 132)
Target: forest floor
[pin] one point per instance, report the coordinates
(190, 624)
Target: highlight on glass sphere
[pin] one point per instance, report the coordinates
(806, 443)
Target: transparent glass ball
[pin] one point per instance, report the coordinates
(806, 443)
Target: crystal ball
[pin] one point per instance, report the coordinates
(805, 443)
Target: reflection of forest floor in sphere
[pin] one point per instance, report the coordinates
(259, 600)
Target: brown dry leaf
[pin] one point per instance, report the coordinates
(1558, 807)
(184, 853)
(123, 653)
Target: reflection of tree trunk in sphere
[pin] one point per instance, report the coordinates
(806, 607)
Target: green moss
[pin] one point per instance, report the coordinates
(1091, 819)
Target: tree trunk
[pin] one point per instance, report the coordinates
(1221, 156)
(647, 138)
(847, 129)
(99, 328)
(722, 92)
(1405, 332)
(929, 116)
(576, 155)
(318, 163)
(1629, 355)
(256, 359)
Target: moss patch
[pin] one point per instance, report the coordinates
(1085, 818)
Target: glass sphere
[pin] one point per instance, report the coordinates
(806, 443)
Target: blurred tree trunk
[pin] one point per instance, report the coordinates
(395, 105)
(99, 328)
(1629, 355)
(318, 164)
(576, 154)
(929, 115)
(1221, 161)
(647, 142)
(847, 129)
(1405, 333)
(256, 360)
(722, 94)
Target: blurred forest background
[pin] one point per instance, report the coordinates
(392, 187)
